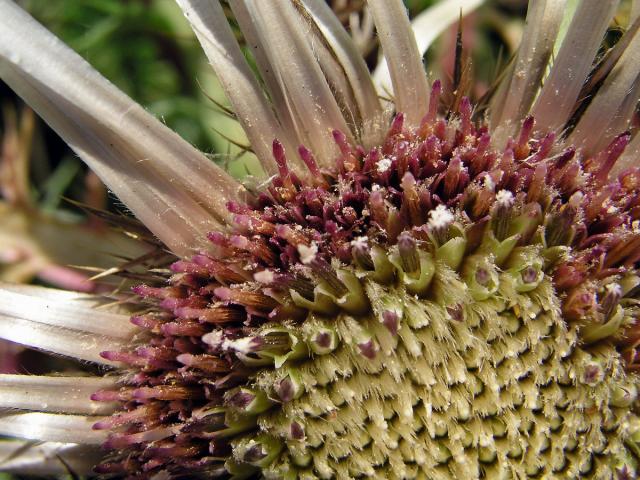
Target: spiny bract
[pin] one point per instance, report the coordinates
(433, 308)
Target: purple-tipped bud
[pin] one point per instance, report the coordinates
(280, 158)
(529, 275)
(109, 396)
(289, 388)
(391, 320)
(342, 142)
(145, 321)
(257, 451)
(296, 431)
(522, 146)
(254, 454)
(434, 103)
(239, 241)
(456, 313)
(408, 251)
(285, 390)
(368, 349)
(311, 163)
(123, 357)
(240, 399)
(593, 373)
(608, 157)
(217, 238)
(159, 293)
(396, 125)
(482, 276)
(323, 340)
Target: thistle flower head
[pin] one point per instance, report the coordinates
(433, 296)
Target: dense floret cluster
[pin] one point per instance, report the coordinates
(434, 307)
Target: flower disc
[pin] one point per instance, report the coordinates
(434, 308)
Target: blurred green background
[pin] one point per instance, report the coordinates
(146, 48)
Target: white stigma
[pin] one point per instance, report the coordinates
(360, 243)
(307, 254)
(265, 276)
(213, 338)
(241, 345)
(504, 198)
(383, 165)
(440, 217)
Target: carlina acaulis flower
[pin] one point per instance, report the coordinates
(428, 294)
